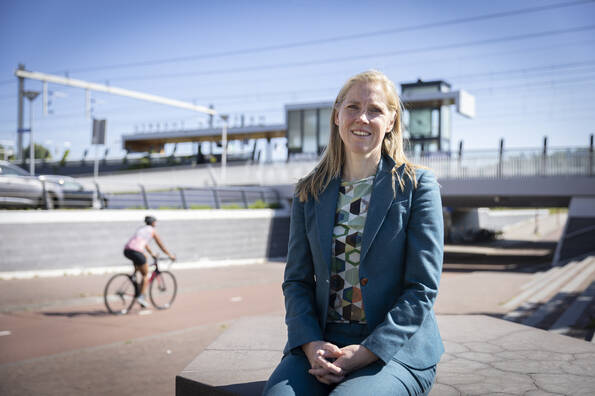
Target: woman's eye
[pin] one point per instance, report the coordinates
(352, 107)
(375, 110)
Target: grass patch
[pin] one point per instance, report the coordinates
(232, 206)
(558, 210)
(260, 204)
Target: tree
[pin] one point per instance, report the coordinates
(40, 152)
(2, 151)
(64, 157)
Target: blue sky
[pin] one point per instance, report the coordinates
(532, 73)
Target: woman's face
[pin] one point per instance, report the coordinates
(363, 119)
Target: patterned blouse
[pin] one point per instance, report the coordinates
(346, 304)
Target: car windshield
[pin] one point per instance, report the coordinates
(72, 185)
(12, 170)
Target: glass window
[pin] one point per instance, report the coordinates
(72, 185)
(421, 89)
(12, 170)
(294, 130)
(420, 123)
(310, 144)
(324, 127)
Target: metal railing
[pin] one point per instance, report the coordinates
(193, 198)
(486, 164)
(511, 163)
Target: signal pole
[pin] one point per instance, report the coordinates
(20, 105)
(31, 95)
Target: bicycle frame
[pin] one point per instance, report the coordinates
(154, 274)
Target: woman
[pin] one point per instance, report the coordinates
(364, 259)
(134, 250)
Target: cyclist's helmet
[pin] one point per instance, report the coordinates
(150, 220)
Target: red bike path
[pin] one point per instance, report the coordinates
(62, 340)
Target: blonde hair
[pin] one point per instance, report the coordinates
(331, 163)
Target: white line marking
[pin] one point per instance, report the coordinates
(4, 333)
(147, 312)
(199, 264)
(236, 299)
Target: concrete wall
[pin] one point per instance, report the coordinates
(40, 240)
(578, 238)
(536, 191)
(498, 220)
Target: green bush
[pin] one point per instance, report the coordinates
(143, 163)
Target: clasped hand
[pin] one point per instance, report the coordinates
(330, 364)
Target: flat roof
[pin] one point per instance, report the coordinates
(420, 83)
(308, 106)
(155, 140)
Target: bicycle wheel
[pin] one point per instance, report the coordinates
(119, 294)
(163, 290)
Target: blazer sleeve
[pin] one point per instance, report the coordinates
(423, 267)
(299, 284)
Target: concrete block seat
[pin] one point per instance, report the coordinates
(484, 355)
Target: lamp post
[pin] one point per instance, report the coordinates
(31, 95)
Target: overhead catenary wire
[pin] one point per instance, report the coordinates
(459, 76)
(455, 21)
(230, 99)
(184, 75)
(384, 54)
(547, 84)
(310, 75)
(334, 39)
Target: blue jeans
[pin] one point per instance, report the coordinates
(291, 376)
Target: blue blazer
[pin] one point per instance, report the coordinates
(401, 258)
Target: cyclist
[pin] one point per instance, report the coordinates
(134, 251)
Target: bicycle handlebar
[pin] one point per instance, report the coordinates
(157, 258)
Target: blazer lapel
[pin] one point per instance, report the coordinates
(325, 209)
(382, 196)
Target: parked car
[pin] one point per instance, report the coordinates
(74, 194)
(18, 189)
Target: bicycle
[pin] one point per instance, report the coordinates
(122, 289)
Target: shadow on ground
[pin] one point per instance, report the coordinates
(72, 314)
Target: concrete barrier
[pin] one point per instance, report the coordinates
(484, 356)
(65, 239)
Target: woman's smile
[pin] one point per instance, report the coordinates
(360, 132)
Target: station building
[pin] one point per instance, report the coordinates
(427, 120)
